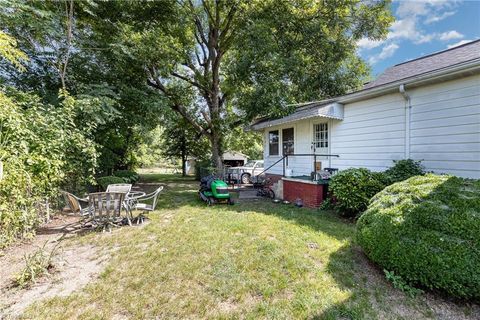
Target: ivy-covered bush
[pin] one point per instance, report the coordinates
(128, 175)
(404, 169)
(103, 182)
(426, 230)
(353, 188)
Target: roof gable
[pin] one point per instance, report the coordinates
(432, 62)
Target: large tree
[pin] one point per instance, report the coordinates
(218, 63)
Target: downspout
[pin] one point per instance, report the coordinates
(408, 107)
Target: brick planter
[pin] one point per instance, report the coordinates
(311, 193)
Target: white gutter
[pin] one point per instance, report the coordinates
(408, 107)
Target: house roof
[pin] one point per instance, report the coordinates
(234, 155)
(432, 62)
(326, 109)
(447, 63)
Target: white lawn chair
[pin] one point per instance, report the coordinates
(142, 203)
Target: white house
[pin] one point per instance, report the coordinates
(425, 109)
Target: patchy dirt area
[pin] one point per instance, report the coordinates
(74, 266)
(431, 306)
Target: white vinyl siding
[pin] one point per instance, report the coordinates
(444, 131)
(371, 135)
(445, 127)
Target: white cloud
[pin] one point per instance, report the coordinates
(459, 43)
(412, 16)
(434, 18)
(404, 28)
(413, 13)
(450, 35)
(386, 52)
(366, 43)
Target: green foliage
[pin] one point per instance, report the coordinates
(218, 64)
(404, 169)
(127, 175)
(42, 150)
(290, 52)
(353, 188)
(103, 182)
(327, 204)
(37, 264)
(401, 284)
(180, 141)
(425, 229)
(247, 142)
(10, 52)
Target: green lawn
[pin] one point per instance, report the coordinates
(250, 260)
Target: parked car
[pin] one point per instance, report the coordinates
(245, 173)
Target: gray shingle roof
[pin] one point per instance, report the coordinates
(432, 62)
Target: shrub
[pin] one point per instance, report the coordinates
(426, 230)
(353, 188)
(127, 175)
(103, 182)
(41, 150)
(404, 169)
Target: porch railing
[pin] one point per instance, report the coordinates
(284, 159)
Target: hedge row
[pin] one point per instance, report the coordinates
(426, 229)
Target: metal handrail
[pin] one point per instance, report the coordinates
(265, 170)
(285, 160)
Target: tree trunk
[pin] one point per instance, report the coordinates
(216, 143)
(184, 163)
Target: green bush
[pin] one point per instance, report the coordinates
(353, 188)
(128, 175)
(404, 169)
(103, 182)
(426, 230)
(41, 150)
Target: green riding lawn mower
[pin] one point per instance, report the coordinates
(213, 191)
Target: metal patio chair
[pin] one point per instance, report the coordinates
(142, 203)
(105, 208)
(78, 206)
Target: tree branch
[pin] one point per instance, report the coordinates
(192, 82)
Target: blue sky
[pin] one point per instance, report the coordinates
(422, 27)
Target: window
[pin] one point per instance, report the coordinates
(249, 164)
(287, 141)
(320, 135)
(273, 143)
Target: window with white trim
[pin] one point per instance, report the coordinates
(320, 135)
(273, 143)
(288, 141)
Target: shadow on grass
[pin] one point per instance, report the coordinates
(318, 220)
(183, 191)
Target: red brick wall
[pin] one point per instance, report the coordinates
(311, 194)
